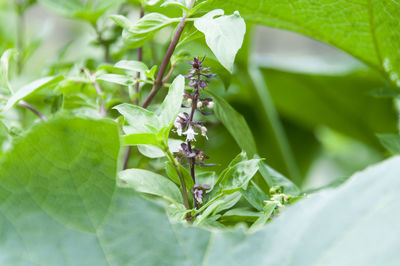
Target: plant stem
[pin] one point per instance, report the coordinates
(159, 80)
(103, 43)
(33, 109)
(20, 38)
(100, 92)
(184, 190)
(137, 84)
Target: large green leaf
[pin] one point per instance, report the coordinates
(65, 167)
(366, 29)
(137, 232)
(342, 102)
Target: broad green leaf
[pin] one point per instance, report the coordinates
(135, 35)
(268, 209)
(273, 178)
(323, 99)
(127, 235)
(141, 139)
(151, 183)
(239, 215)
(115, 78)
(224, 35)
(365, 29)
(235, 124)
(139, 119)
(31, 88)
(172, 102)
(66, 168)
(131, 65)
(255, 196)
(391, 142)
(4, 69)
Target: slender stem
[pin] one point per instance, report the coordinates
(140, 59)
(137, 84)
(33, 109)
(103, 110)
(159, 80)
(184, 190)
(20, 38)
(103, 43)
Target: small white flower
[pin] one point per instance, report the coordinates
(178, 124)
(204, 132)
(210, 105)
(189, 101)
(199, 104)
(190, 134)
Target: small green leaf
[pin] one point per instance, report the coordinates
(391, 142)
(255, 196)
(273, 178)
(139, 119)
(172, 102)
(135, 35)
(172, 174)
(31, 88)
(115, 78)
(235, 124)
(140, 139)
(154, 152)
(224, 35)
(131, 65)
(238, 176)
(151, 183)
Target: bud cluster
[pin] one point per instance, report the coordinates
(185, 125)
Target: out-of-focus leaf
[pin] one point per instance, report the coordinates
(31, 88)
(341, 102)
(131, 65)
(391, 142)
(235, 124)
(141, 139)
(115, 78)
(224, 35)
(4, 69)
(151, 183)
(135, 35)
(172, 102)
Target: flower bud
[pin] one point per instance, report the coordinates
(189, 101)
(199, 104)
(210, 105)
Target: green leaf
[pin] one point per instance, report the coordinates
(224, 35)
(171, 172)
(4, 68)
(135, 35)
(391, 142)
(139, 119)
(235, 124)
(65, 167)
(154, 152)
(273, 178)
(115, 78)
(33, 237)
(141, 139)
(31, 88)
(365, 29)
(255, 196)
(151, 183)
(328, 99)
(131, 65)
(238, 176)
(172, 102)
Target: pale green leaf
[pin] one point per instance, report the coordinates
(115, 78)
(224, 35)
(4, 68)
(141, 139)
(273, 178)
(151, 183)
(139, 119)
(131, 65)
(391, 142)
(172, 102)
